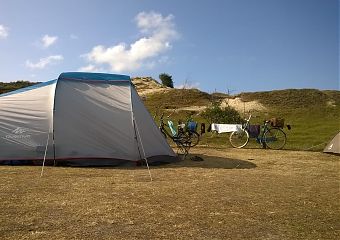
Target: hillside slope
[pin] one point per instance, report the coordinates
(313, 114)
(295, 98)
(147, 85)
(12, 86)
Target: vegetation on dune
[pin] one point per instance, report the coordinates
(166, 80)
(11, 86)
(218, 95)
(313, 114)
(177, 98)
(293, 98)
(217, 114)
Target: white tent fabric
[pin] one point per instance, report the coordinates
(147, 128)
(25, 121)
(88, 116)
(334, 145)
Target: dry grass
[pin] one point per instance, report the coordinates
(232, 194)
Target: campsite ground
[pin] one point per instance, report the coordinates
(232, 194)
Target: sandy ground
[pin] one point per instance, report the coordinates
(146, 86)
(236, 103)
(241, 106)
(232, 194)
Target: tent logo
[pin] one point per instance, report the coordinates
(20, 130)
(19, 133)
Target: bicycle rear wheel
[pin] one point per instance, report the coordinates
(239, 139)
(183, 144)
(194, 138)
(275, 138)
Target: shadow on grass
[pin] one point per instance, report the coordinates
(206, 162)
(191, 160)
(209, 162)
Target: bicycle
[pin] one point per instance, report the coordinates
(271, 137)
(184, 139)
(189, 129)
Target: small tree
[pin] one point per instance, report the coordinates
(218, 114)
(166, 80)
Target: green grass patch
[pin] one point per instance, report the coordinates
(313, 115)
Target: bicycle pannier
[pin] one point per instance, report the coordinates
(172, 128)
(277, 122)
(192, 126)
(254, 130)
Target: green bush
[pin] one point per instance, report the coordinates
(218, 114)
(166, 80)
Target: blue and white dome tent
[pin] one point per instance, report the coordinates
(81, 118)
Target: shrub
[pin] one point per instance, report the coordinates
(166, 80)
(218, 114)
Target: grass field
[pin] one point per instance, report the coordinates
(314, 115)
(232, 194)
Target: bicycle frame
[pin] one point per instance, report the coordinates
(183, 138)
(165, 132)
(182, 144)
(266, 135)
(260, 138)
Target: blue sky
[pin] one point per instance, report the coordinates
(216, 45)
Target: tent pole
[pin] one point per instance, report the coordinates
(43, 165)
(146, 161)
(53, 143)
(136, 138)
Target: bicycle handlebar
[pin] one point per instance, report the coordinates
(171, 113)
(248, 118)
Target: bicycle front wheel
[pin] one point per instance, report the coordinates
(239, 139)
(275, 138)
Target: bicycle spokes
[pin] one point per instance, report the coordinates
(275, 138)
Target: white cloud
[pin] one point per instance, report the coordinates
(91, 68)
(47, 40)
(44, 62)
(4, 32)
(157, 34)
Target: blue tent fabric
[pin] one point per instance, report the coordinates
(81, 76)
(93, 76)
